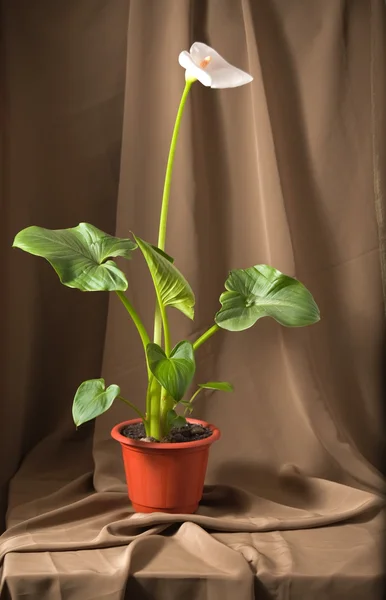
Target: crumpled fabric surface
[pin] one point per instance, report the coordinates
(289, 171)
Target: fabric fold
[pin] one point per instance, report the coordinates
(287, 171)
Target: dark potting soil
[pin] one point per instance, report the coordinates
(188, 433)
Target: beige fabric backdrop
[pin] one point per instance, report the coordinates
(288, 170)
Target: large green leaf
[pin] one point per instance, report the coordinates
(92, 399)
(79, 255)
(174, 373)
(263, 291)
(171, 286)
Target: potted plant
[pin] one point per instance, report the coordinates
(165, 451)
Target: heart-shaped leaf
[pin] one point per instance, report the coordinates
(171, 286)
(79, 255)
(222, 386)
(175, 373)
(263, 291)
(92, 399)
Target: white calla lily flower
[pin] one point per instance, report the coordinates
(211, 69)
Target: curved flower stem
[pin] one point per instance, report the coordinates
(205, 336)
(169, 169)
(165, 199)
(139, 413)
(153, 400)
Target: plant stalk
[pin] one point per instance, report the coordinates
(136, 318)
(155, 393)
(139, 413)
(205, 336)
(165, 199)
(169, 169)
(145, 341)
(166, 330)
(188, 408)
(153, 414)
(167, 403)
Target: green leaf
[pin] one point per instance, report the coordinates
(92, 400)
(174, 420)
(175, 373)
(263, 291)
(79, 255)
(171, 286)
(222, 386)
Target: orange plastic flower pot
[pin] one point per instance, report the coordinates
(165, 477)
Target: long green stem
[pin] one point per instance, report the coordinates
(161, 405)
(188, 409)
(155, 394)
(165, 199)
(169, 169)
(145, 341)
(139, 413)
(157, 325)
(167, 404)
(153, 413)
(148, 397)
(166, 330)
(138, 323)
(205, 336)
(136, 318)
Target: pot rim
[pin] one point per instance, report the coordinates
(116, 434)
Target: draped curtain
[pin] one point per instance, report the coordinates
(289, 171)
